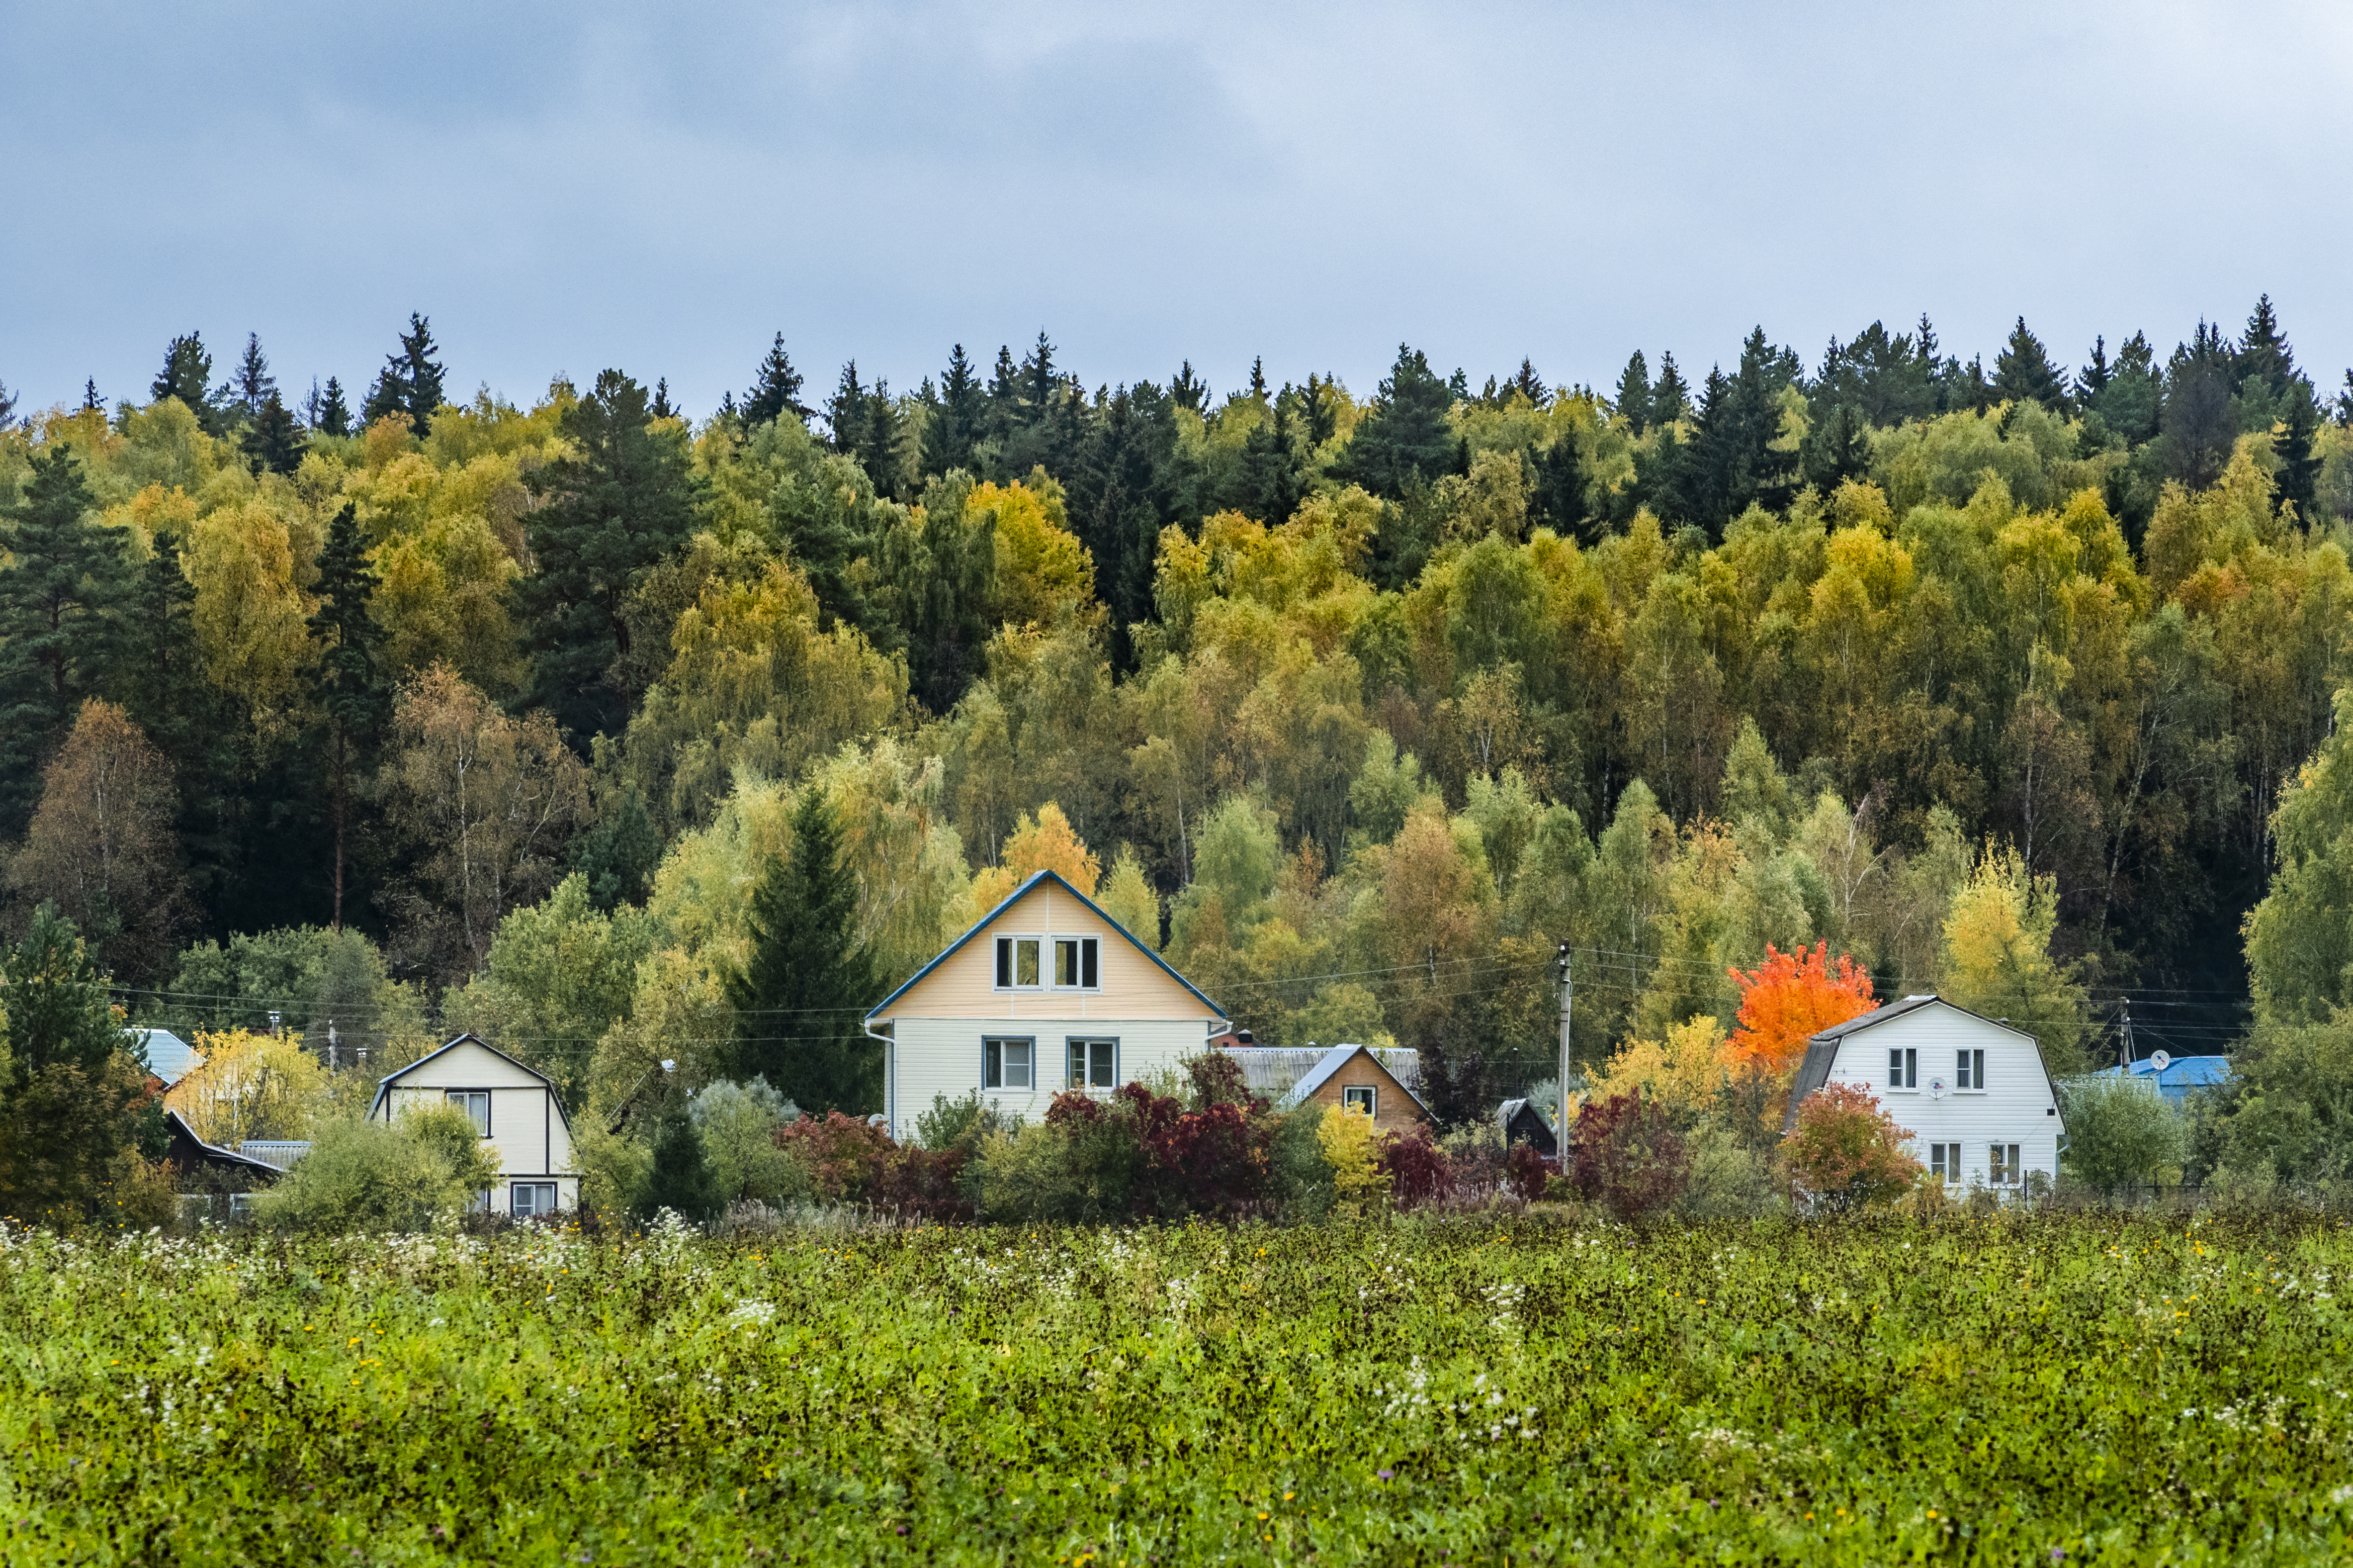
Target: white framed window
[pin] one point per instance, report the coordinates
(1007, 1064)
(1019, 963)
(534, 1199)
(1364, 1097)
(1903, 1069)
(1944, 1160)
(1094, 1064)
(476, 1103)
(1968, 1070)
(2001, 1165)
(1078, 963)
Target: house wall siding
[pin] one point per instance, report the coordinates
(1393, 1109)
(527, 1131)
(933, 1055)
(2015, 1106)
(964, 986)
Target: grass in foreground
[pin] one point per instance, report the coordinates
(2064, 1389)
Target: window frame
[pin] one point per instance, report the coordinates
(2003, 1166)
(1945, 1162)
(1968, 1071)
(453, 1097)
(1371, 1101)
(1005, 961)
(554, 1191)
(1029, 1042)
(1904, 1067)
(1084, 1079)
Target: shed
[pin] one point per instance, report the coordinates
(1522, 1123)
(190, 1156)
(1353, 1076)
(1274, 1070)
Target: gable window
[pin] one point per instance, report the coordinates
(2002, 1166)
(1969, 1072)
(1902, 1069)
(1945, 1161)
(1006, 1064)
(476, 1103)
(533, 1199)
(1094, 1064)
(1017, 963)
(1364, 1097)
(1078, 963)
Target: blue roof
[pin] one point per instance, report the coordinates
(1007, 902)
(2179, 1076)
(169, 1057)
(1319, 1075)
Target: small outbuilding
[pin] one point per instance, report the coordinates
(1521, 1123)
(1352, 1077)
(2176, 1077)
(192, 1161)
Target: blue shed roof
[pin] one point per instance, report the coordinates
(2179, 1076)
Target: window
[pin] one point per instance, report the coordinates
(1078, 963)
(534, 1199)
(1017, 963)
(2002, 1167)
(1362, 1097)
(1094, 1064)
(1005, 1064)
(1945, 1161)
(1970, 1071)
(1902, 1069)
(476, 1103)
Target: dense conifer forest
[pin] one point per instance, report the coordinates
(395, 714)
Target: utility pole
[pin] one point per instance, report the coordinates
(1567, 993)
(2128, 1062)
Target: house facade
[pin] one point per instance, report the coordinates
(1045, 992)
(1974, 1093)
(1352, 1078)
(516, 1110)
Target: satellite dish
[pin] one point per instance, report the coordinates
(1937, 1088)
(2160, 1060)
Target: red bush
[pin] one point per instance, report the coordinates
(1626, 1156)
(1416, 1167)
(845, 1156)
(1845, 1152)
(1525, 1171)
(1212, 1162)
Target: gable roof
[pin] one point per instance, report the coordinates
(1335, 1058)
(169, 1057)
(213, 1153)
(1015, 897)
(1271, 1071)
(384, 1085)
(1821, 1049)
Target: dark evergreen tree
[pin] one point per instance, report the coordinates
(681, 1180)
(1530, 385)
(2345, 401)
(1633, 400)
(1039, 380)
(1837, 447)
(2264, 358)
(1188, 391)
(958, 419)
(625, 499)
(8, 403)
(188, 375)
(347, 679)
(2096, 377)
(1319, 418)
(1122, 493)
(1258, 378)
(941, 574)
(799, 998)
(90, 402)
(70, 1110)
(2127, 401)
(619, 856)
(1406, 433)
(159, 678)
(661, 407)
(846, 412)
(880, 440)
(2023, 372)
(326, 413)
(1670, 394)
(274, 441)
(61, 596)
(1881, 376)
(775, 389)
(1269, 482)
(2199, 421)
(409, 385)
(252, 387)
(2299, 471)
(1735, 460)
(1559, 500)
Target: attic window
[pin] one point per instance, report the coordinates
(1017, 963)
(1078, 963)
(1364, 1097)
(476, 1103)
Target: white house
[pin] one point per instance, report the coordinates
(1045, 992)
(515, 1109)
(1974, 1093)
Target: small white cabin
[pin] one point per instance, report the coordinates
(1974, 1093)
(516, 1110)
(1045, 992)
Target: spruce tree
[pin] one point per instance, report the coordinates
(879, 441)
(274, 441)
(800, 997)
(331, 415)
(618, 504)
(252, 388)
(90, 402)
(1670, 394)
(1258, 378)
(775, 389)
(2299, 471)
(2023, 372)
(1530, 385)
(2264, 356)
(409, 385)
(1406, 433)
(1557, 502)
(661, 407)
(1633, 400)
(347, 679)
(2096, 376)
(1323, 419)
(1185, 389)
(958, 415)
(681, 1180)
(846, 412)
(941, 576)
(60, 600)
(1269, 483)
(188, 375)
(70, 1108)
(619, 856)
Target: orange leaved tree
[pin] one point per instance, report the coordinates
(1787, 999)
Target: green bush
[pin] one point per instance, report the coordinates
(737, 1123)
(2120, 1133)
(378, 1176)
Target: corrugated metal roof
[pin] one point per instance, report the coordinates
(1274, 1070)
(278, 1153)
(169, 1057)
(1333, 1060)
(2179, 1076)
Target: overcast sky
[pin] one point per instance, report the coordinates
(566, 187)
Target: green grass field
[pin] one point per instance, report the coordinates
(1458, 1391)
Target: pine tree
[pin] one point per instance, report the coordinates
(799, 998)
(90, 402)
(624, 500)
(1633, 400)
(60, 602)
(346, 680)
(274, 441)
(409, 385)
(188, 375)
(2023, 372)
(958, 416)
(775, 389)
(252, 388)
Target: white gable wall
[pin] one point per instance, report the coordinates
(2017, 1105)
(527, 1130)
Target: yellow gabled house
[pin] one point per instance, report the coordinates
(1044, 993)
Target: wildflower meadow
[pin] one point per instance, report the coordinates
(2052, 1388)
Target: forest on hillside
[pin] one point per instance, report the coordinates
(393, 713)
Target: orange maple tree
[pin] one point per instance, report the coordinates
(1789, 998)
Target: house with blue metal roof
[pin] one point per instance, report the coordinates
(1044, 994)
(2176, 1077)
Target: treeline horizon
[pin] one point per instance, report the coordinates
(1357, 705)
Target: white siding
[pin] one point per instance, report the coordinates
(527, 1129)
(2017, 1105)
(942, 1057)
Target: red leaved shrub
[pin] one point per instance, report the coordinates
(1626, 1156)
(1417, 1168)
(1845, 1152)
(1525, 1171)
(845, 1156)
